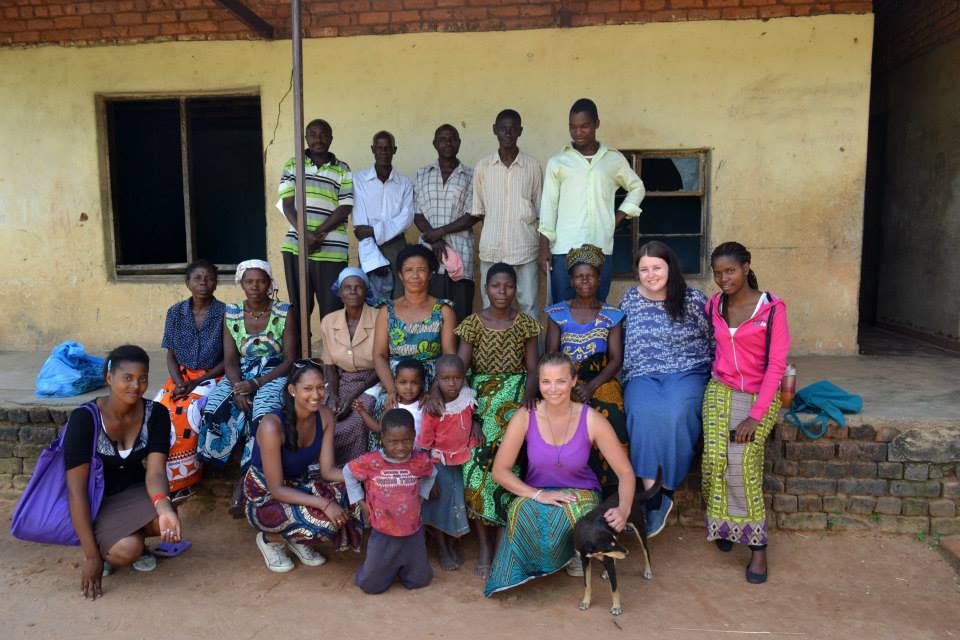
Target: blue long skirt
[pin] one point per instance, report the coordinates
(664, 422)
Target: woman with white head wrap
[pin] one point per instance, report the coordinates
(259, 345)
(348, 357)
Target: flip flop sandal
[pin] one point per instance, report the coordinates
(107, 569)
(146, 562)
(184, 494)
(171, 549)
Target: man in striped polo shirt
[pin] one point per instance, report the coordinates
(329, 200)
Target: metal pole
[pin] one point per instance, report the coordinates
(300, 198)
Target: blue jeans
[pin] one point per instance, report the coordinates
(560, 280)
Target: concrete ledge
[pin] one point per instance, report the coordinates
(862, 477)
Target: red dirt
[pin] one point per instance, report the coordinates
(821, 586)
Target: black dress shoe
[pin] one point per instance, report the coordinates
(724, 545)
(756, 578)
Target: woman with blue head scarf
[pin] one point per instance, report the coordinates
(348, 362)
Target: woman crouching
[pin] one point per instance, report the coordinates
(286, 502)
(131, 436)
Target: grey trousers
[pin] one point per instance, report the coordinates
(390, 558)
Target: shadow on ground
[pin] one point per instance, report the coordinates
(821, 586)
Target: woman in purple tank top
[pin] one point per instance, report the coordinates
(560, 487)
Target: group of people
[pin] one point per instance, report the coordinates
(424, 419)
(531, 217)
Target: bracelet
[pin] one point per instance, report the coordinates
(158, 497)
(537, 495)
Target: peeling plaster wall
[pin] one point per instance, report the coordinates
(782, 104)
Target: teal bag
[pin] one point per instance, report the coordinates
(828, 402)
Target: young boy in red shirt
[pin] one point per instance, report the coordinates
(389, 485)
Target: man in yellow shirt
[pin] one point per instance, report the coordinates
(577, 206)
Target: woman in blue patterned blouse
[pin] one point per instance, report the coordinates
(667, 353)
(193, 338)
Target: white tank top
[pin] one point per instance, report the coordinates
(762, 301)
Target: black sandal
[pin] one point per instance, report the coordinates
(724, 545)
(756, 578)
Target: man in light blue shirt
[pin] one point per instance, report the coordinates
(577, 206)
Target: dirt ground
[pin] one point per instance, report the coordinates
(821, 586)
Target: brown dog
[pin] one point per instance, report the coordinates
(594, 538)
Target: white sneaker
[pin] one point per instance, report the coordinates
(308, 555)
(575, 567)
(274, 555)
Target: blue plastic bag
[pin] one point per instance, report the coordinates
(69, 371)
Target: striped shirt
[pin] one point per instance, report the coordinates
(328, 187)
(508, 198)
(443, 203)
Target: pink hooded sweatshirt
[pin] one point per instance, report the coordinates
(739, 362)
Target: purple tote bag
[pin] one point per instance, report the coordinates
(43, 511)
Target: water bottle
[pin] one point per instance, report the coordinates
(788, 387)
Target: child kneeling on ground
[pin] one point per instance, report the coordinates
(449, 439)
(389, 485)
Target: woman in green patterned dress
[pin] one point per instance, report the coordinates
(415, 325)
(499, 344)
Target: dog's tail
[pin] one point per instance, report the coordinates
(652, 491)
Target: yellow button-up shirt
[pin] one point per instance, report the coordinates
(578, 198)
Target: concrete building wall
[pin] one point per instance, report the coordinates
(918, 269)
(782, 104)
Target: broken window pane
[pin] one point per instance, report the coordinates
(671, 174)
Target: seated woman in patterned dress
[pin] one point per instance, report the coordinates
(348, 357)
(259, 345)
(499, 344)
(559, 487)
(286, 502)
(415, 325)
(193, 338)
(591, 333)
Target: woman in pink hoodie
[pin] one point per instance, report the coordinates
(741, 403)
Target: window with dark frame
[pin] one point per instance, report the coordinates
(186, 182)
(674, 209)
